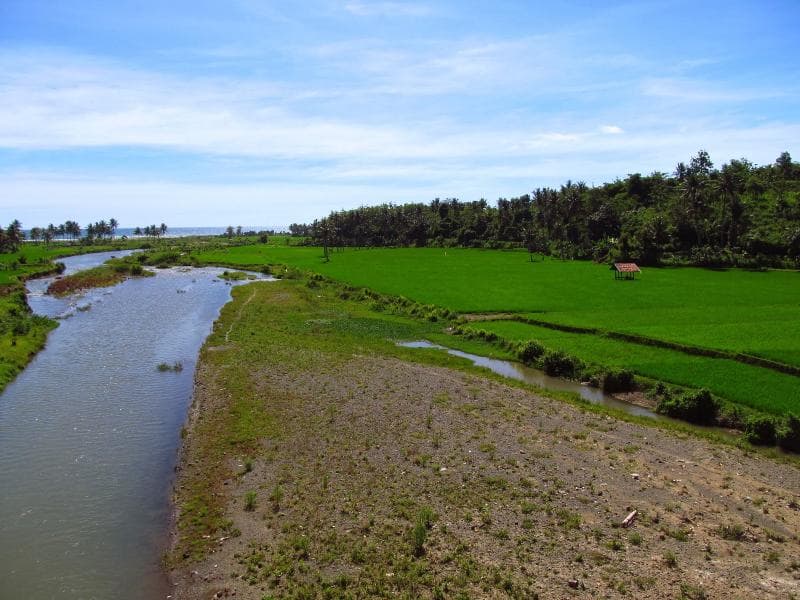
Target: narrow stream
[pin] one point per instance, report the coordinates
(520, 372)
(89, 433)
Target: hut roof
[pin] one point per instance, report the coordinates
(627, 268)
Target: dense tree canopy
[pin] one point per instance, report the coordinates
(739, 213)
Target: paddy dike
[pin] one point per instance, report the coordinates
(321, 460)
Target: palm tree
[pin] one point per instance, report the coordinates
(162, 229)
(14, 235)
(112, 226)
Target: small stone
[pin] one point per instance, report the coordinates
(635, 476)
(573, 583)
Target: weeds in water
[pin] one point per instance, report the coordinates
(176, 367)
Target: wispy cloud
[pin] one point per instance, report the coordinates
(692, 90)
(388, 9)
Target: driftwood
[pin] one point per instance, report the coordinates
(627, 521)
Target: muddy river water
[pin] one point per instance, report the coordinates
(89, 434)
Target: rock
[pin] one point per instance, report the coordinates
(573, 583)
(635, 476)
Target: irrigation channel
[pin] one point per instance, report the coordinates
(89, 434)
(520, 372)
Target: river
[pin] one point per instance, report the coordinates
(89, 434)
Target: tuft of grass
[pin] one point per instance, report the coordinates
(250, 500)
(419, 533)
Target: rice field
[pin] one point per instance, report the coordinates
(736, 311)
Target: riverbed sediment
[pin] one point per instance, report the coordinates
(324, 461)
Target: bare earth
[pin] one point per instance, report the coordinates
(528, 494)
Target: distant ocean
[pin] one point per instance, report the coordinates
(187, 231)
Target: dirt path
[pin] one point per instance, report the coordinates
(383, 478)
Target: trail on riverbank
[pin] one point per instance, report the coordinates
(323, 461)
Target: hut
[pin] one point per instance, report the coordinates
(626, 270)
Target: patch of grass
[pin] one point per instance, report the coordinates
(250, 500)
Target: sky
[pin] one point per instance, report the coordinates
(200, 113)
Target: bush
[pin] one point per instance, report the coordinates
(558, 364)
(696, 407)
(619, 380)
(760, 430)
(529, 351)
(787, 434)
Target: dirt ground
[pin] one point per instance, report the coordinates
(387, 478)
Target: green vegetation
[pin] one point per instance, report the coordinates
(739, 214)
(749, 385)
(733, 310)
(236, 276)
(22, 334)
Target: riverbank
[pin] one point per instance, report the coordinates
(322, 459)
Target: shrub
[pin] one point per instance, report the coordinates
(696, 407)
(618, 380)
(760, 430)
(787, 434)
(529, 351)
(250, 501)
(558, 364)
(732, 532)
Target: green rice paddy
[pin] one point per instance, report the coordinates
(732, 310)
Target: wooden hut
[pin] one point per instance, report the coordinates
(626, 270)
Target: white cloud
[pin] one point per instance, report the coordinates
(611, 129)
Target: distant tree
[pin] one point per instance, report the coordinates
(784, 165)
(162, 229)
(239, 231)
(137, 231)
(112, 227)
(229, 231)
(14, 236)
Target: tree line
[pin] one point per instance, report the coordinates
(12, 236)
(739, 213)
(154, 231)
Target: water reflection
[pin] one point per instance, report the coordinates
(520, 372)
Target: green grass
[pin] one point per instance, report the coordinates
(22, 334)
(753, 386)
(734, 310)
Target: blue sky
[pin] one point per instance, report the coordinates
(256, 112)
